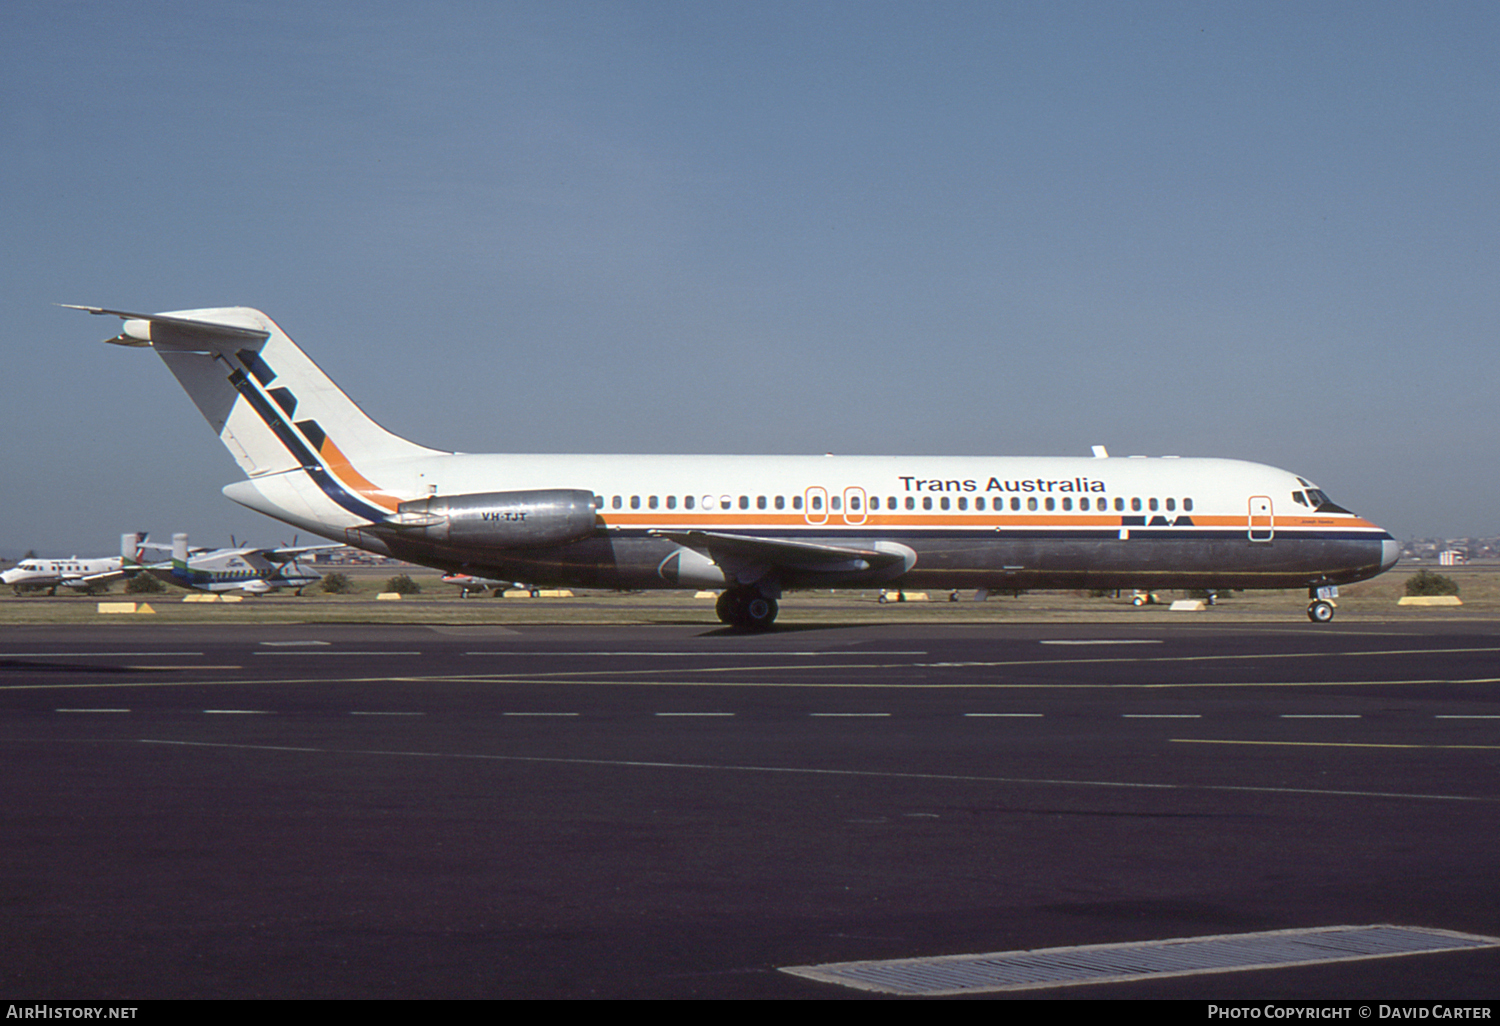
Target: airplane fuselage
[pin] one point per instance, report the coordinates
(1002, 522)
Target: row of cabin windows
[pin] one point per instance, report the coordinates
(962, 503)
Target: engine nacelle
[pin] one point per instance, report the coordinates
(506, 520)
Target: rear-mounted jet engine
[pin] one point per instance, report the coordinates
(510, 520)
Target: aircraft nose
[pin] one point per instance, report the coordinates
(1390, 552)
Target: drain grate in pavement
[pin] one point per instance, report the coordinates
(1114, 963)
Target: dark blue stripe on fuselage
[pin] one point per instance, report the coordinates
(300, 451)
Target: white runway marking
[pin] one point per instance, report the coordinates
(1013, 716)
(292, 643)
(92, 710)
(1103, 641)
(1137, 960)
(717, 653)
(362, 712)
(93, 655)
(1161, 716)
(1333, 744)
(1320, 716)
(693, 714)
(340, 652)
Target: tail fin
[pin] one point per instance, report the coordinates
(132, 548)
(273, 408)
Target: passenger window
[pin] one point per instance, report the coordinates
(1051, 504)
(1083, 504)
(781, 502)
(618, 503)
(687, 502)
(1031, 503)
(835, 503)
(853, 502)
(760, 502)
(979, 503)
(817, 503)
(1135, 505)
(963, 503)
(1152, 504)
(874, 503)
(911, 503)
(1067, 504)
(1187, 505)
(635, 502)
(1171, 505)
(926, 502)
(744, 502)
(1015, 504)
(671, 502)
(796, 502)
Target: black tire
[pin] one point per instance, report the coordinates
(1320, 611)
(758, 612)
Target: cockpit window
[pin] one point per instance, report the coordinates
(1318, 500)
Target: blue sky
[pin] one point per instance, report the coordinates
(1258, 230)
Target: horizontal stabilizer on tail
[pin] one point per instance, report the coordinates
(141, 329)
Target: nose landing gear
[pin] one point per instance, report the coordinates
(1320, 609)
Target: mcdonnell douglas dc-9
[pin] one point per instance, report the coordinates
(754, 526)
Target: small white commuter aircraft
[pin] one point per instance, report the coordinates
(85, 575)
(470, 583)
(249, 570)
(751, 525)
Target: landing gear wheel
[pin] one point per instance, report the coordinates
(1320, 611)
(741, 607)
(728, 606)
(758, 613)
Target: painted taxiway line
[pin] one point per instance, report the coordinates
(93, 655)
(1119, 785)
(717, 653)
(1225, 657)
(1331, 744)
(571, 678)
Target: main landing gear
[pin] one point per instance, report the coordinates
(746, 607)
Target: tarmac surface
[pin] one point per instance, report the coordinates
(337, 811)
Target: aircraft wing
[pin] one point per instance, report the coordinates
(90, 580)
(748, 558)
(288, 554)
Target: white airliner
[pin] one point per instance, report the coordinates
(752, 525)
(252, 571)
(73, 573)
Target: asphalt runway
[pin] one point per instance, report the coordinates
(681, 811)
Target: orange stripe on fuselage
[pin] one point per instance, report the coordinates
(665, 519)
(336, 462)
